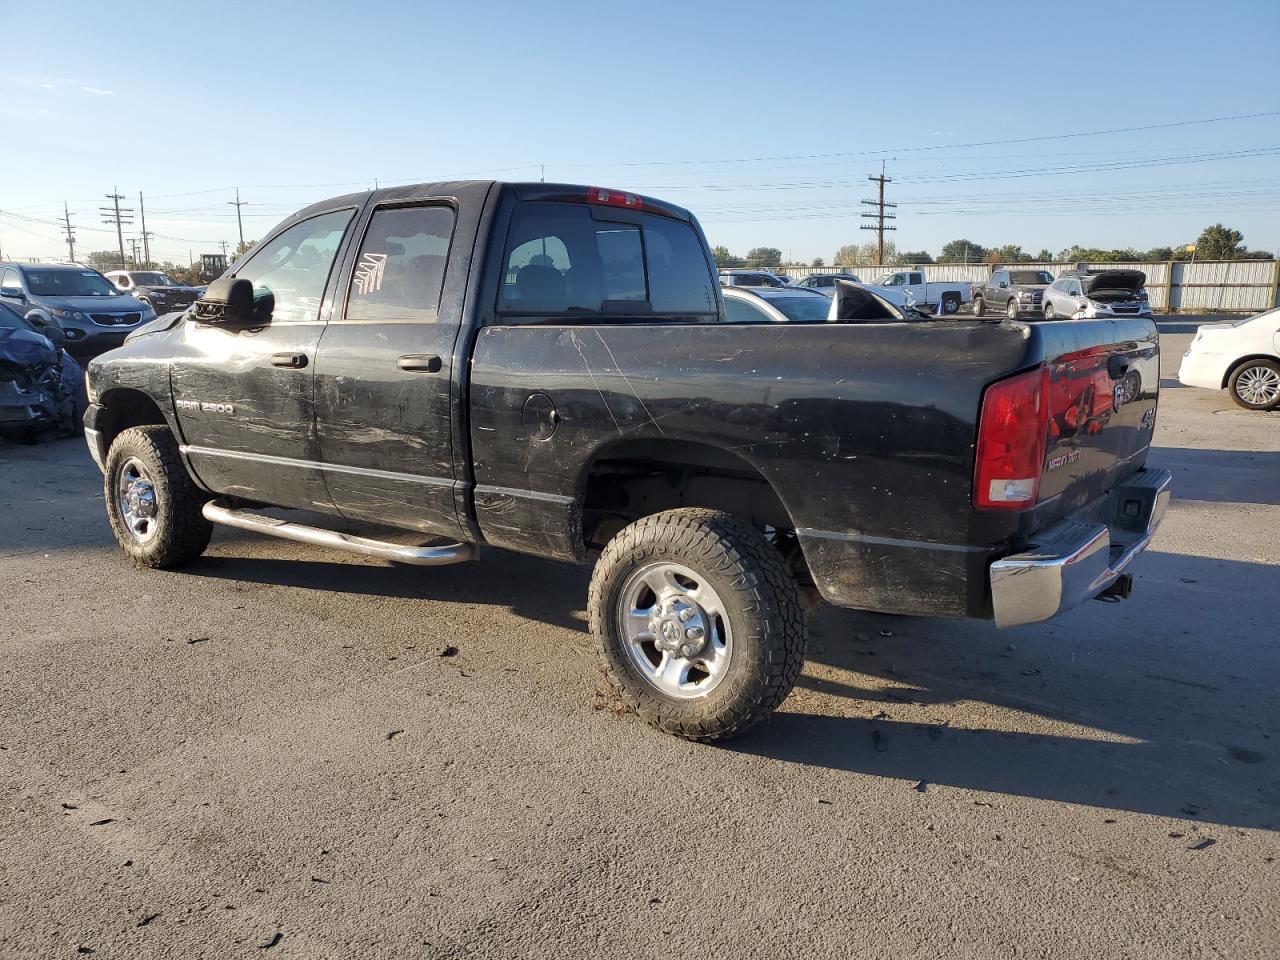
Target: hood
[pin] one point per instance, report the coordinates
(166, 321)
(118, 304)
(1115, 281)
(1028, 286)
(24, 349)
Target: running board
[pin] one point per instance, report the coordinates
(217, 511)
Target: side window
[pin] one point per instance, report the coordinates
(679, 279)
(294, 266)
(917, 278)
(400, 269)
(740, 311)
(561, 259)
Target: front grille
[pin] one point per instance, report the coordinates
(1126, 308)
(115, 319)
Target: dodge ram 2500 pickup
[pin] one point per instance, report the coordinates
(549, 369)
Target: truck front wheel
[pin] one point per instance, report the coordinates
(697, 621)
(152, 503)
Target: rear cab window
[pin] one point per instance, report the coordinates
(586, 262)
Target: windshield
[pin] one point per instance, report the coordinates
(802, 309)
(154, 280)
(69, 283)
(11, 320)
(1257, 316)
(1031, 276)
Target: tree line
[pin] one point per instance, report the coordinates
(1216, 242)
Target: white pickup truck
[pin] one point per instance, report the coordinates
(938, 297)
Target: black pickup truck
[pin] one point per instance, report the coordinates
(549, 369)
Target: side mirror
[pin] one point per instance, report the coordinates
(230, 302)
(14, 292)
(1003, 285)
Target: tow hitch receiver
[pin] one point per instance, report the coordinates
(1120, 590)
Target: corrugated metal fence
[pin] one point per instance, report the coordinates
(1223, 286)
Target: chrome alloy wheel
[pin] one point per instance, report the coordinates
(1258, 385)
(136, 499)
(675, 629)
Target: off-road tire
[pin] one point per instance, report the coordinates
(762, 605)
(978, 307)
(182, 532)
(1235, 378)
(1011, 309)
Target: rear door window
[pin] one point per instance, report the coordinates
(561, 259)
(400, 270)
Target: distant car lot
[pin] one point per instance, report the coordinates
(279, 741)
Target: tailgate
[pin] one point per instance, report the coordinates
(1104, 380)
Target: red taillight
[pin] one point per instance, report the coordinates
(1011, 439)
(614, 198)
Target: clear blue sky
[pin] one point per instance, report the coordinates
(297, 101)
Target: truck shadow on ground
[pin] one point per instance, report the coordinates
(1131, 726)
(1221, 476)
(537, 589)
(1135, 723)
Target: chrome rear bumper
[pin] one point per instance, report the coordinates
(1073, 561)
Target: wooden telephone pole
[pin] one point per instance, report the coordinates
(118, 215)
(879, 216)
(71, 236)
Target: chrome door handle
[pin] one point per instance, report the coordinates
(422, 362)
(295, 360)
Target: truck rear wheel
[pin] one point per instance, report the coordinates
(697, 621)
(950, 303)
(152, 503)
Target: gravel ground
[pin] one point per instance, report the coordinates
(277, 752)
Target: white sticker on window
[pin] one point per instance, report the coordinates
(368, 273)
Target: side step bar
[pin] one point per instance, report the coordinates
(217, 511)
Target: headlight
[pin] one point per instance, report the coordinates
(69, 315)
(148, 314)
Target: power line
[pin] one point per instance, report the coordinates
(935, 147)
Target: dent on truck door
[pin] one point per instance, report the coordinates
(243, 396)
(384, 370)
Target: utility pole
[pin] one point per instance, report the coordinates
(71, 236)
(879, 216)
(238, 203)
(224, 247)
(146, 236)
(133, 248)
(118, 215)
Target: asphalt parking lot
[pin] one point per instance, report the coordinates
(283, 752)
